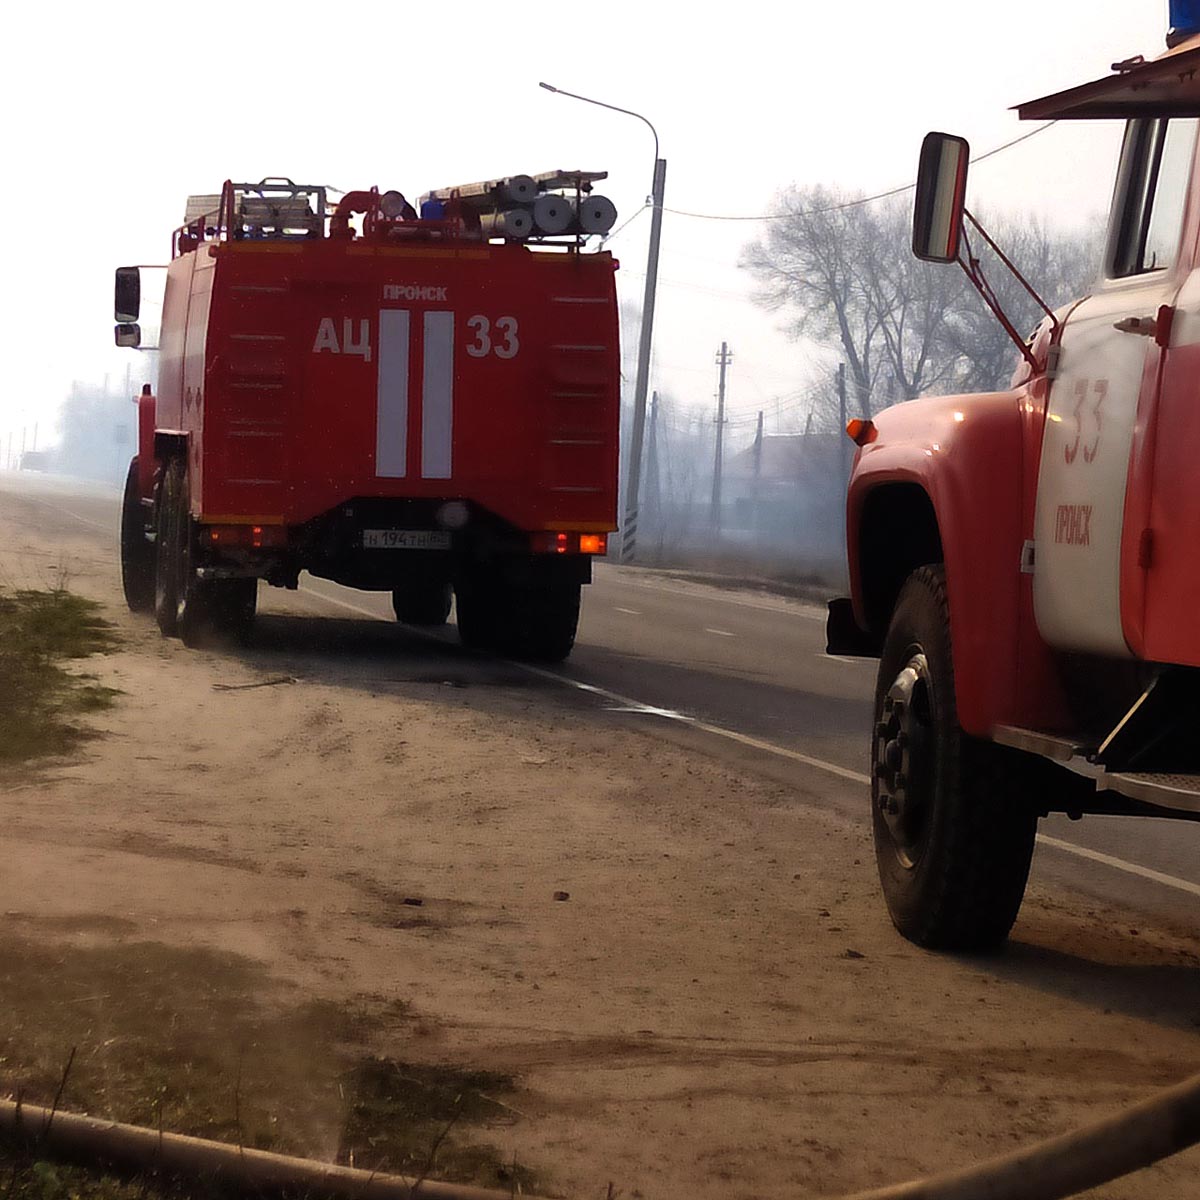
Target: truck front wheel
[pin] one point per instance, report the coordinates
(953, 843)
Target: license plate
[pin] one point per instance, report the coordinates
(405, 539)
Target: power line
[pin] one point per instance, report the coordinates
(608, 237)
(896, 191)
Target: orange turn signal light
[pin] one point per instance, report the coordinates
(569, 543)
(861, 430)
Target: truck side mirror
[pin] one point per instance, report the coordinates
(127, 295)
(128, 335)
(941, 194)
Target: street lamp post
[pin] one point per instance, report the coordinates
(634, 479)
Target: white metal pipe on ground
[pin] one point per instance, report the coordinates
(1073, 1162)
(90, 1141)
(1050, 1170)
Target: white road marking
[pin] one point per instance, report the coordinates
(797, 608)
(632, 612)
(648, 710)
(108, 528)
(720, 632)
(842, 658)
(1107, 860)
(819, 764)
(1120, 864)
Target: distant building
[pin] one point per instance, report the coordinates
(787, 493)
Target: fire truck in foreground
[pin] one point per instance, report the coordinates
(1026, 564)
(413, 404)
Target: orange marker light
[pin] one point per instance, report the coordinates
(593, 543)
(861, 430)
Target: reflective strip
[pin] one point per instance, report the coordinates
(391, 399)
(437, 396)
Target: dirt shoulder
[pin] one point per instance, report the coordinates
(222, 887)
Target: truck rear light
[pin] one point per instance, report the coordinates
(256, 536)
(563, 542)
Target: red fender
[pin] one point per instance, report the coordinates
(147, 403)
(970, 456)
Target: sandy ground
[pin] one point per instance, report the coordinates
(720, 1008)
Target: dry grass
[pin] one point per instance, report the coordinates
(206, 1043)
(39, 699)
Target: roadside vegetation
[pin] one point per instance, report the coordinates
(207, 1043)
(40, 700)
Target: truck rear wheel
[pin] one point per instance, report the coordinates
(137, 552)
(541, 620)
(167, 548)
(478, 602)
(953, 842)
(207, 609)
(422, 602)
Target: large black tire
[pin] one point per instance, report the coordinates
(207, 610)
(137, 551)
(478, 605)
(953, 836)
(422, 602)
(168, 547)
(541, 620)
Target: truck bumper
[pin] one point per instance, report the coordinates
(843, 635)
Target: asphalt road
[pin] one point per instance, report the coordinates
(734, 673)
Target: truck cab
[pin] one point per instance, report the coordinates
(1024, 563)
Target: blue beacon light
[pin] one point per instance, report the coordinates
(1185, 20)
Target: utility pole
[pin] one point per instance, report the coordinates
(723, 360)
(653, 492)
(657, 188)
(633, 483)
(758, 450)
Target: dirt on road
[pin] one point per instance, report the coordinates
(287, 874)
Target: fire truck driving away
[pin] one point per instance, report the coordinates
(1026, 564)
(415, 404)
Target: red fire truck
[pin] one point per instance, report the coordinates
(1026, 564)
(413, 404)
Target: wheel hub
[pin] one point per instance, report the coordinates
(901, 759)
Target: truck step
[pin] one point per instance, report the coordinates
(1175, 790)
(1180, 791)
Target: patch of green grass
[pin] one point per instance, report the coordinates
(38, 698)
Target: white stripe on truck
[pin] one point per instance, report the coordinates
(391, 402)
(437, 396)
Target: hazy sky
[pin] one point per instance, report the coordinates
(113, 114)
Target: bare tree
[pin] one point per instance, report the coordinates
(843, 272)
(808, 266)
